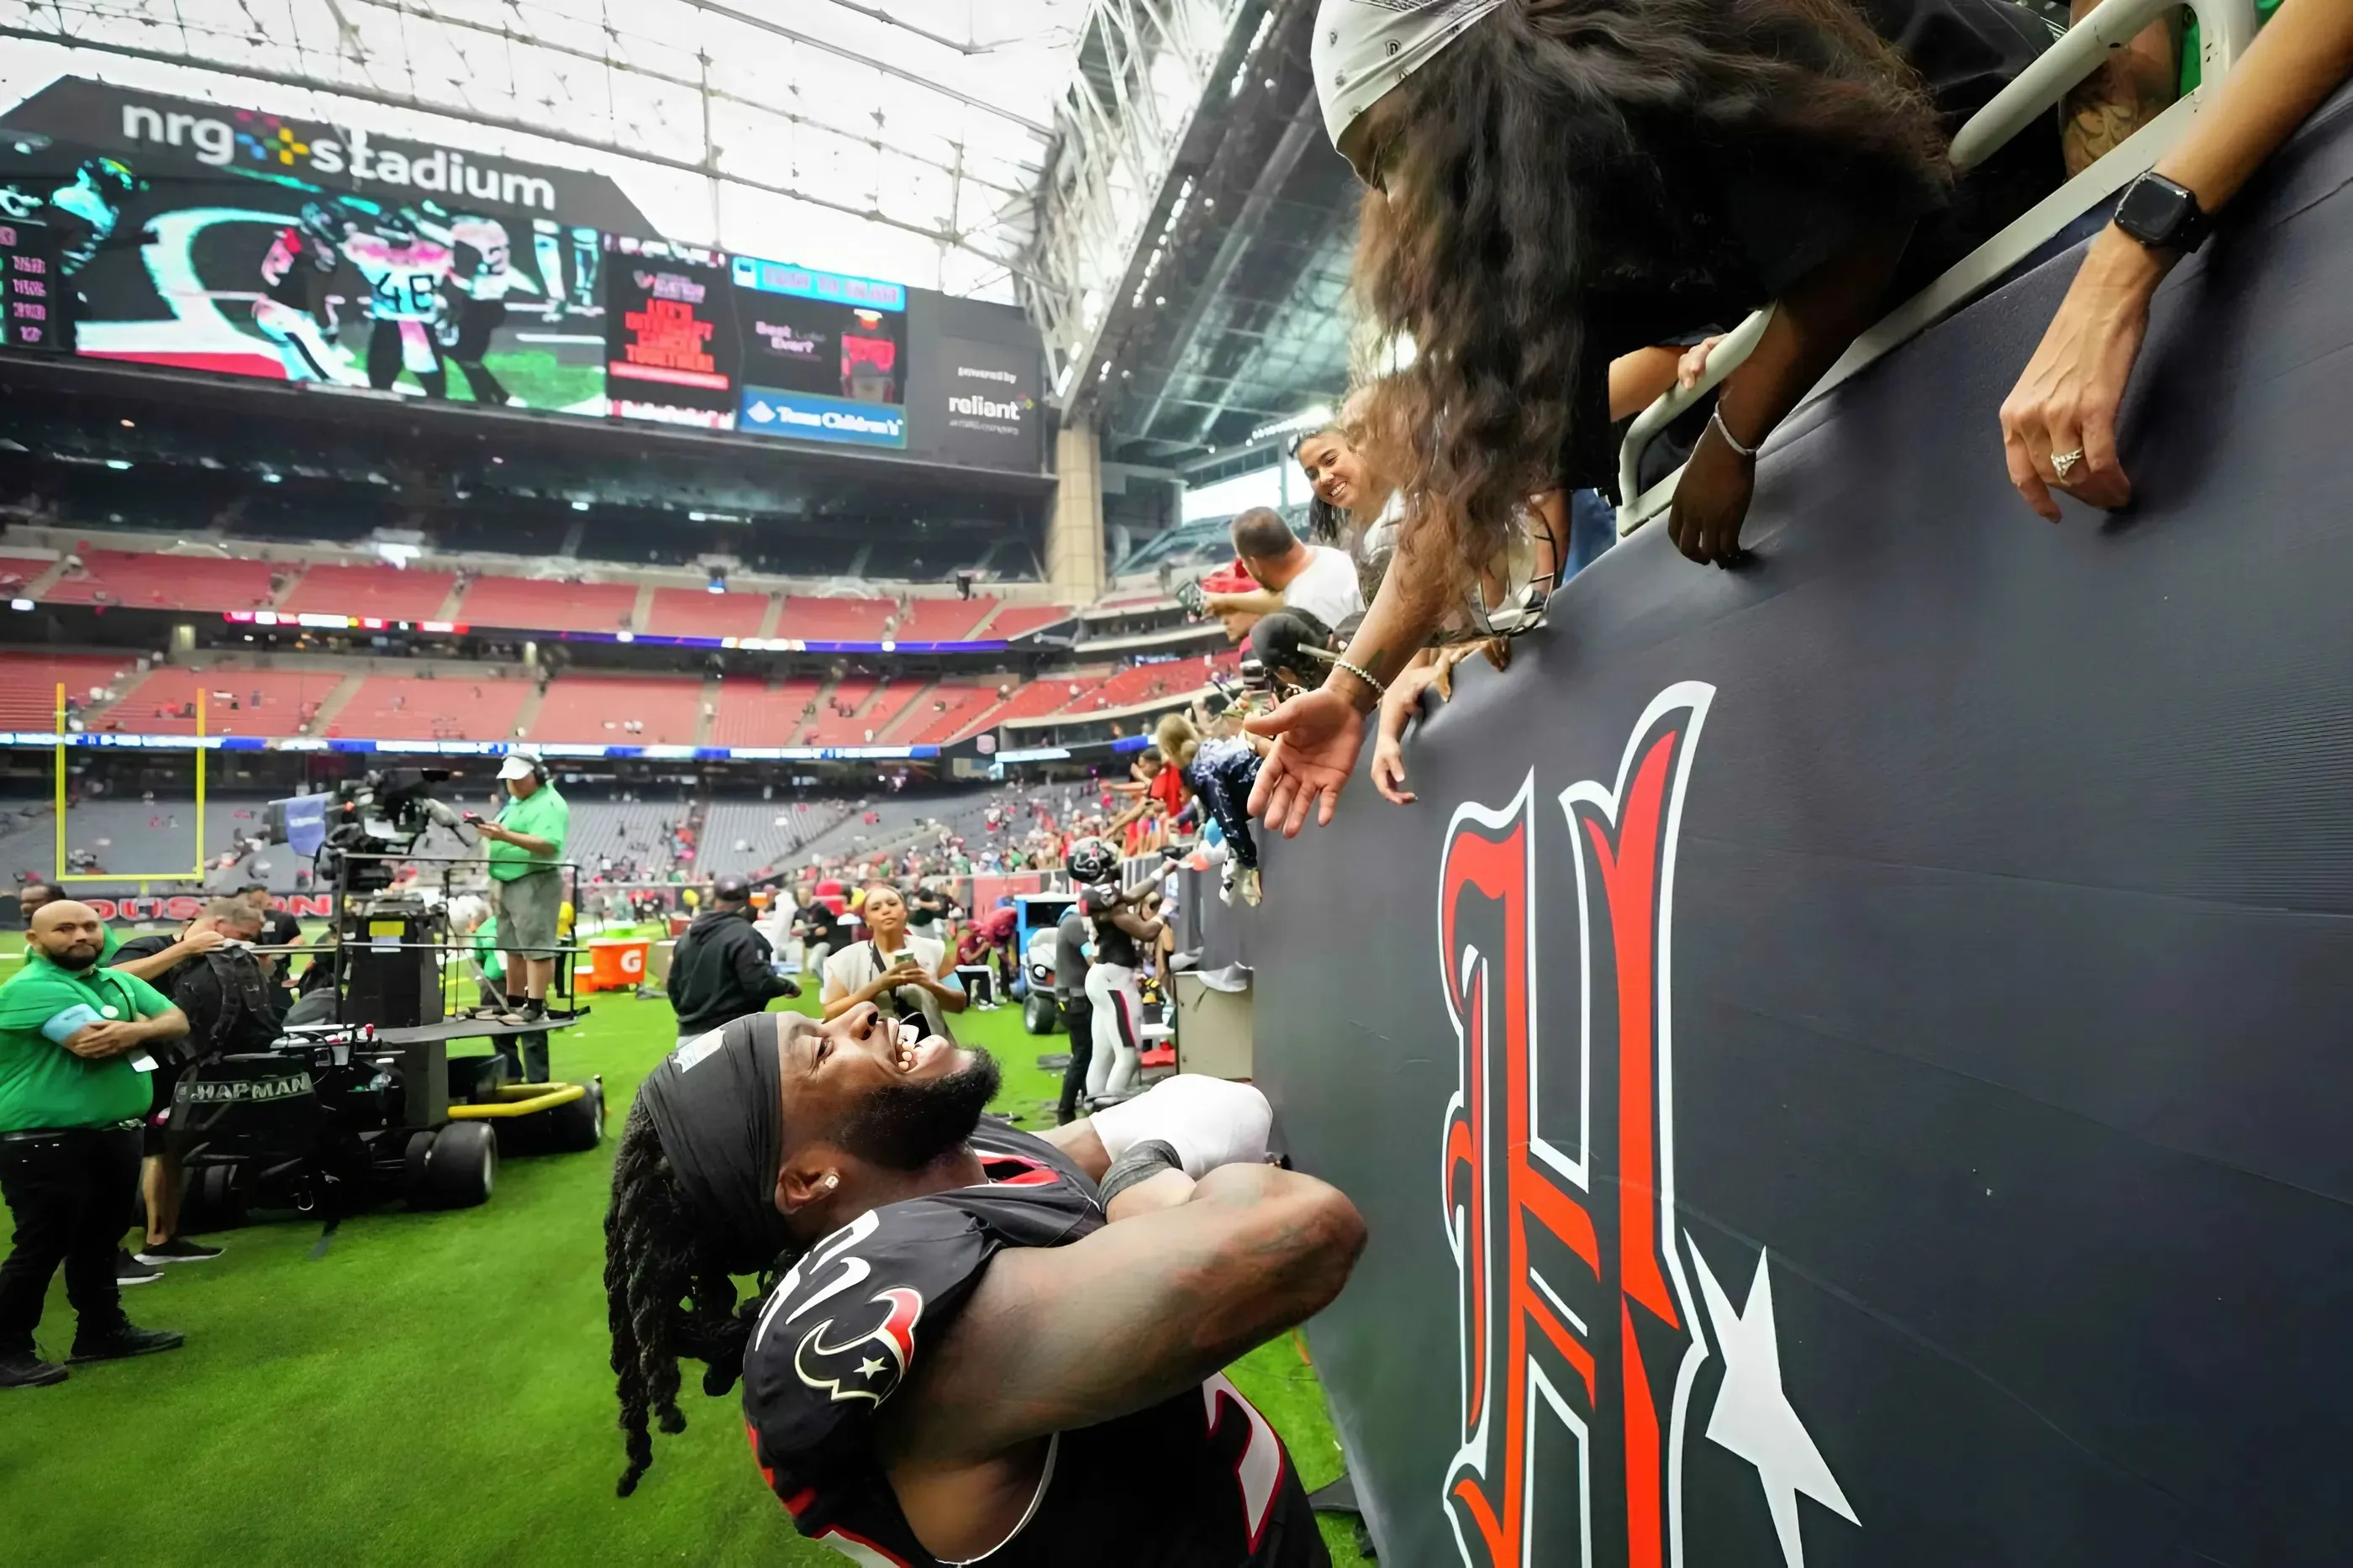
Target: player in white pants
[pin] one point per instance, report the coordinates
(1118, 1003)
(1117, 934)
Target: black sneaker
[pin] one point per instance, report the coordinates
(26, 1370)
(129, 1270)
(122, 1341)
(179, 1249)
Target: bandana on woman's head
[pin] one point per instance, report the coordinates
(1364, 48)
(717, 1106)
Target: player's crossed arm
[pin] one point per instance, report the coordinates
(1062, 1338)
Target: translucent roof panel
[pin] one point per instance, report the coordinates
(899, 138)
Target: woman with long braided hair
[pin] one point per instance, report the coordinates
(953, 1354)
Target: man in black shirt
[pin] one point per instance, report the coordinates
(278, 929)
(1078, 1012)
(927, 906)
(818, 930)
(722, 969)
(231, 1005)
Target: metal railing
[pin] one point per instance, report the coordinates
(2225, 28)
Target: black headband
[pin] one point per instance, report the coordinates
(717, 1108)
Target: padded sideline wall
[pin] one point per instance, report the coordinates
(1992, 1027)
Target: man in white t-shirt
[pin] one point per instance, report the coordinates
(1306, 593)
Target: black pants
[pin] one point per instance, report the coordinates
(477, 320)
(1224, 785)
(1079, 1013)
(386, 360)
(525, 1055)
(71, 1193)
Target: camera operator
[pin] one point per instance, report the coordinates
(908, 978)
(231, 1005)
(278, 929)
(527, 895)
(74, 1039)
(722, 969)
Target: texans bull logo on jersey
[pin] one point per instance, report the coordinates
(863, 1349)
(867, 1365)
(1582, 1340)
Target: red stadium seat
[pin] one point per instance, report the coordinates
(598, 710)
(835, 620)
(753, 714)
(698, 613)
(138, 580)
(378, 593)
(28, 684)
(406, 708)
(532, 604)
(1018, 620)
(943, 620)
(287, 698)
(836, 728)
(947, 714)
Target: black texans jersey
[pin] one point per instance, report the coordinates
(1112, 945)
(1198, 1481)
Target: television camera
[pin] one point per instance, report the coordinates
(352, 830)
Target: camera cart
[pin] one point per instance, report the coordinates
(341, 1117)
(364, 1104)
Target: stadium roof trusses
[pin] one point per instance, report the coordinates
(1188, 267)
(906, 139)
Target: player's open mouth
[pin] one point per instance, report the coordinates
(926, 1054)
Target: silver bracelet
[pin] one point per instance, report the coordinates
(1716, 417)
(1380, 689)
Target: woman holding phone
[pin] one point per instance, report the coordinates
(906, 976)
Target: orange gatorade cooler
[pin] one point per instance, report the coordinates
(616, 963)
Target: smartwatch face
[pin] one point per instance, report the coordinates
(2151, 213)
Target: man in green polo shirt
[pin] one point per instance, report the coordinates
(526, 894)
(75, 1039)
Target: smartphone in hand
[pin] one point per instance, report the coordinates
(474, 817)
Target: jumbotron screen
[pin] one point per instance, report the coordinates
(171, 232)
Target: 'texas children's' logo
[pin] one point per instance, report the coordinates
(1582, 1343)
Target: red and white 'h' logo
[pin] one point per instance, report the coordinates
(1577, 1316)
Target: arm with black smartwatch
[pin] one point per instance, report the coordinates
(2059, 423)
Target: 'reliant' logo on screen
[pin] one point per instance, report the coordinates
(1581, 1334)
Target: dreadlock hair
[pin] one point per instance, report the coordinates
(667, 1294)
(1561, 149)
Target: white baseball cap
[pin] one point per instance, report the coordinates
(1364, 48)
(519, 764)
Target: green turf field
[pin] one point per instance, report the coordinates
(433, 1389)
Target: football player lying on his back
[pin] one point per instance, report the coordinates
(982, 1342)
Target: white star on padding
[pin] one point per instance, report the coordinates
(870, 1367)
(1751, 1418)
